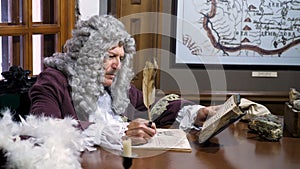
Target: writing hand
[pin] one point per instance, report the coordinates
(140, 130)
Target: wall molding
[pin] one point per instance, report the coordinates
(266, 96)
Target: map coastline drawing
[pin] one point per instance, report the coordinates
(247, 32)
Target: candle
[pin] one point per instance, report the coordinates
(127, 147)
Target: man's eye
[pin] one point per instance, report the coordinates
(122, 58)
(115, 56)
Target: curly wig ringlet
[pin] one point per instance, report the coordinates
(83, 63)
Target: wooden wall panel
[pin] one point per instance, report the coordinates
(144, 30)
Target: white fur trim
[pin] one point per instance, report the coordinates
(53, 143)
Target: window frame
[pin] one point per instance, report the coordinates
(62, 28)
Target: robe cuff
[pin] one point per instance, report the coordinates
(187, 116)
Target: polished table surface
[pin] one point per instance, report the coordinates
(234, 148)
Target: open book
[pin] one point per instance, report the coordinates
(167, 139)
(226, 115)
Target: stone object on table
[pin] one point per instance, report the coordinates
(268, 127)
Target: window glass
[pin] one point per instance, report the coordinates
(36, 11)
(11, 51)
(43, 11)
(37, 54)
(11, 11)
(43, 46)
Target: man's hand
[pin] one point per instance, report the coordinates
(140, 130)
(204, 113)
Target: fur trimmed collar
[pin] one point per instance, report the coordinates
(51, 143)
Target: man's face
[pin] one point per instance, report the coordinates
(113, 64)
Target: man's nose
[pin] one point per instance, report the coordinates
(117, 60)
(116, 64)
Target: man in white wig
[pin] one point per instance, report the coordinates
(91, 83)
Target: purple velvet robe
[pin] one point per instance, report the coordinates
(50, 96)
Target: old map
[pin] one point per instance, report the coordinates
(238, 31)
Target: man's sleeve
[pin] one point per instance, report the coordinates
(168, 117)
(46, 96)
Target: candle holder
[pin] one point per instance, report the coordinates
(127, 160)
(127, 152)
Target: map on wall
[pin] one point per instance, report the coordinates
(238, 32)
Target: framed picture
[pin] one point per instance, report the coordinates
(236, 34)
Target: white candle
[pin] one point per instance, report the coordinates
(127, 147)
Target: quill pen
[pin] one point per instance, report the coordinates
(148, 86)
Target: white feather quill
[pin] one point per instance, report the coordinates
(148, 86)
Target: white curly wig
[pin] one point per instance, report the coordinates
(83, 63)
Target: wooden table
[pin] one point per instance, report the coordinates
(234, 148)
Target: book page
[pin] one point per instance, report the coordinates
(167, 139)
